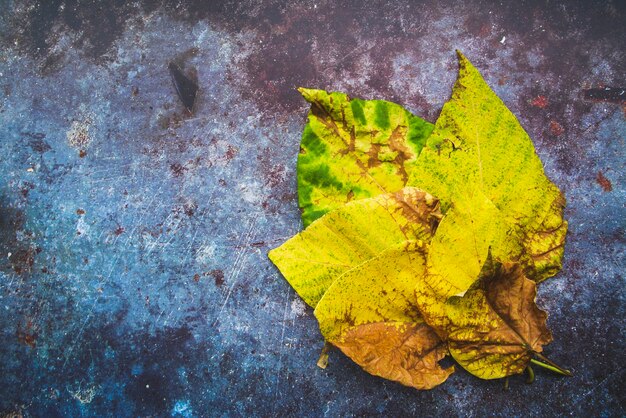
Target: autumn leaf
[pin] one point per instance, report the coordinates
(496, 327)
(394, 283)
(545, 245)
(354, 149)
(351, 235)
(457, 254)
(478, 145)
(370, 314)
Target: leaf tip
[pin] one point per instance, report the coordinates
(463, 61)
(307, 93)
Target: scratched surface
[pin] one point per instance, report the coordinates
(133, 237)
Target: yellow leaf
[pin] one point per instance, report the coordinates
(369, 312)
(461, 245)
(351, 235)
(478, 145)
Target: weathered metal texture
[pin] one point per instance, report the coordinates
(133, 236)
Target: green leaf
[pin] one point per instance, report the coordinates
(479, 146)
(351, 235)
(354, 149)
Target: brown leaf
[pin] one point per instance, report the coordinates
(405, 352)
(496, 326)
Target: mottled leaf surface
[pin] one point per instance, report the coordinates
(478, 144)
(495, 328)
(354, 149)
(369, 312)
(351, 235)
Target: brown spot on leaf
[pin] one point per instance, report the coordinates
(604, 182)
(372, 155)
(404, 153)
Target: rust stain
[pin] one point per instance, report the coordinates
(556, 128)
(540, 101)
(218, 275)
(80, 133)
(27, 336)
(23, 259)
(604, 182)
(177, 169)
(230, 152)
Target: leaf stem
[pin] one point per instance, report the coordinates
(550, 365)
(322, 363)
(531, 374)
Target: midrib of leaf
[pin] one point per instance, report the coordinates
(480, 161)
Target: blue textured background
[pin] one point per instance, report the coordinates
(133, 272)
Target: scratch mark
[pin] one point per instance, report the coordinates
(281, 348)
(103, 283)
(590, 391)
(237, 265)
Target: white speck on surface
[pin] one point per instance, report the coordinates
(205, 254)
(298, 308)
(503, 40)
(82, 227)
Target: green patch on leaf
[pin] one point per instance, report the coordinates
(354, 149)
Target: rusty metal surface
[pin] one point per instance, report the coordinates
(133, 234)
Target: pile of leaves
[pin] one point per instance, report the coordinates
(422, 240)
